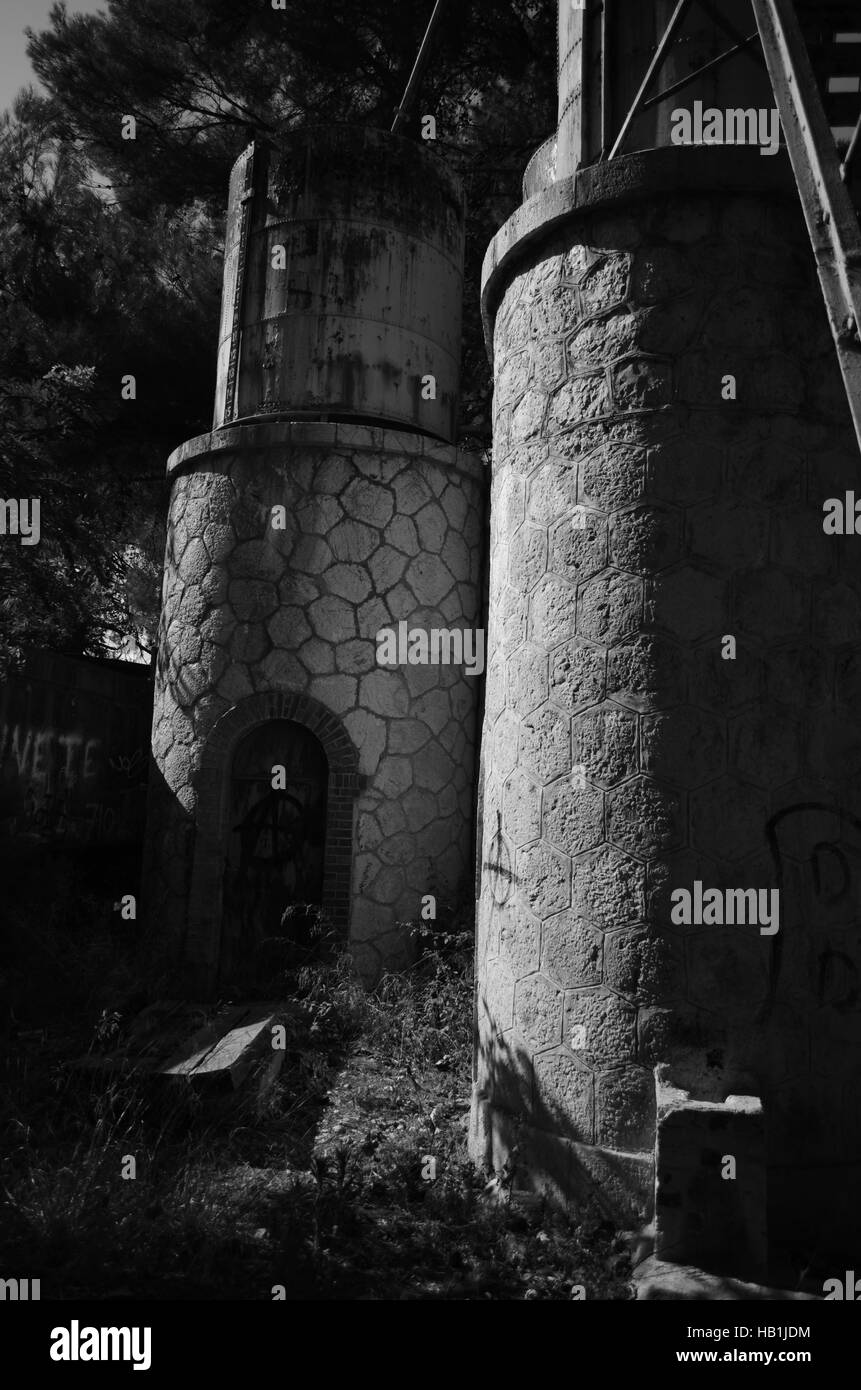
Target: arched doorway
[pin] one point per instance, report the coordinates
(208, 945)
(276, 833)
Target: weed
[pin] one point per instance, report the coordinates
(347, 1178)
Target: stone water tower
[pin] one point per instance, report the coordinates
(327, 504)
(674, 674)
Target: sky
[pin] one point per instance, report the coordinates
(15, 70)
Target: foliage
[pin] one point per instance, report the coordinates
(86, 296)
(201, 76)
(198, 75)
(316, 1184)
(110, 248)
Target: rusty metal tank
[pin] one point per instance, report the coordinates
(362, 302)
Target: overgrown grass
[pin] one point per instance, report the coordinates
(347, 1179)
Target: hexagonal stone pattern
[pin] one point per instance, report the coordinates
(521, 800)
(564, 1096)
(379, 527)
(573, 816)
(626, 1108)
(605, 744)
(519, 941)
(572, 950)
(608, 1024)
(609, 887)
(680, 696)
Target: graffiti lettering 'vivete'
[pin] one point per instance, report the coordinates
(38, 753)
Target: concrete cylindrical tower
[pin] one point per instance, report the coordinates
(671, 695)
(300, 529)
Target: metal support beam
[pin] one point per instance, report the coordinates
(831, 220)
(720, 20)
(846, 166)
(417, 73)
(660, 53)
(743, 44)
(698, 72)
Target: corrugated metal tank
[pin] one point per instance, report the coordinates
(368, 301)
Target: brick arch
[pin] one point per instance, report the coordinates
(259, 709)
(212, 783)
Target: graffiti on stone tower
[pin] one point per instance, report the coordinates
(499, 864)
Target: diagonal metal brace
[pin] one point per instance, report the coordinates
(846, 166)
(719, 19)
(743, 46)
(831, 220)
(641, 103)
(660, 53)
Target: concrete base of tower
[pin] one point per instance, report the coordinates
(562, 1171)
(297, 757)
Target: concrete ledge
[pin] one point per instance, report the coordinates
(710, 1181)
(316, 434)
(647, 174)
(657, 1279)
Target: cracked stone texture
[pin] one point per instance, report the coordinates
(371, 537)
(637, 520)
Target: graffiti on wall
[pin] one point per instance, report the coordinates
(73, 761)
(816, 851)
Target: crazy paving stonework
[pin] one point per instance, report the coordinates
(637, 518)
(260, 623)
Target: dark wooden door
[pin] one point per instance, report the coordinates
(276, 833)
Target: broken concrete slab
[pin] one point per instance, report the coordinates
(227, 1048)
(171, 1041)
